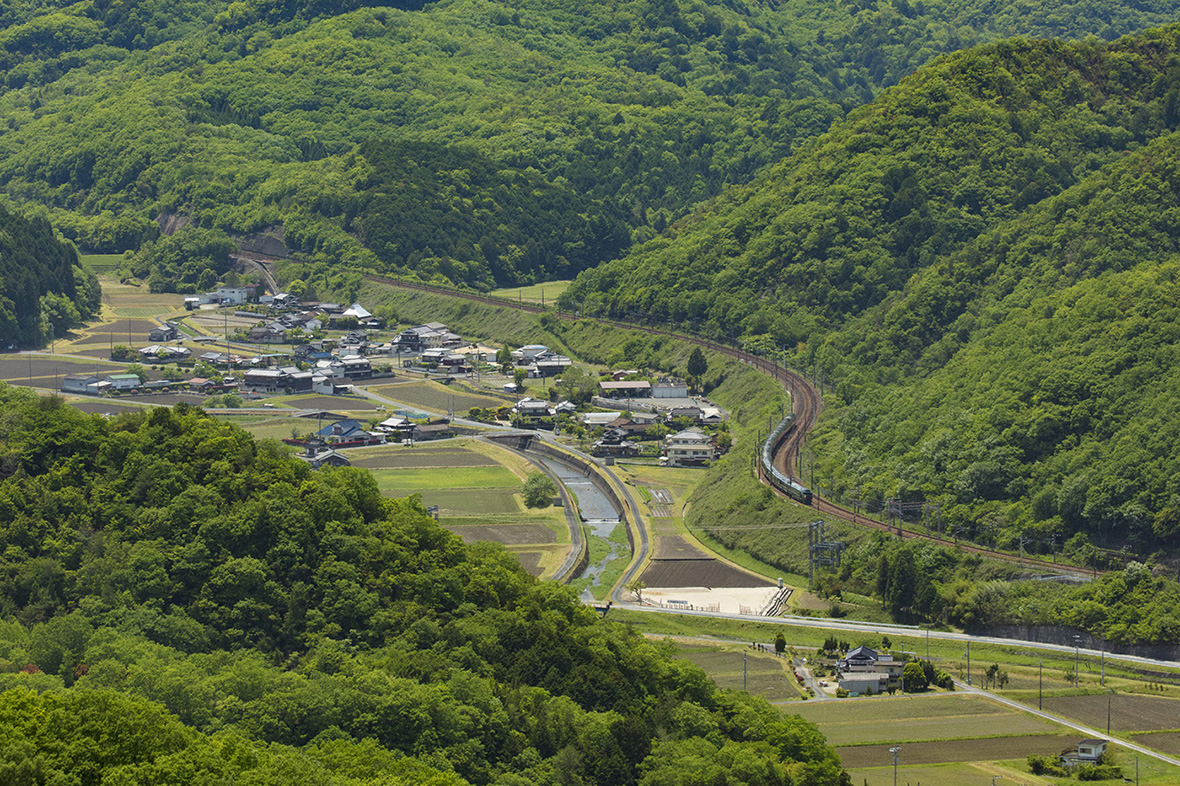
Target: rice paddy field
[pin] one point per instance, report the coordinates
(476, 486)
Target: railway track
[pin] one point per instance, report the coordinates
(806, 405)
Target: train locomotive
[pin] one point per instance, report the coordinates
(789, 486)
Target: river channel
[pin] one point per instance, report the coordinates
(598, 514)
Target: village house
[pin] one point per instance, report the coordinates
(525, 355)
(123, 381)
(278, 380)
(356, 367)
(163, 353)
(549, 364)
(864, 669)
(350, 431)
(532, 411)
(1084, 752)
(169, 331)
(688, 448)
(592, 419)
(693, 413)
(638, 388)
(669, 390)
(84, 384)
(230, 296)
(317, 453)
(614, 443)
(422, 337)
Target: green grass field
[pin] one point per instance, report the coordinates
(549, 292)
(445, 479)
(102, 264)
(464, 502)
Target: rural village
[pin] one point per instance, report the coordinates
(465, 425)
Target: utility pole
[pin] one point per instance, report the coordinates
(895, 750)
(968, 662)
(1040, 683)
(1109, 693)
(1076, 642)
(746, 655)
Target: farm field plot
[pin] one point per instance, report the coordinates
(884, 709)
(462, 502)
(1127, 712)
(533, 294)
(338, 404)
(698, 573)
(949, 751)
(451, 478)
(102, 263)
(434, 396)
(676, 547)
(1001, 724)
(1165, 741)
(509, 534)
(402, 456)
(764, 676)
(953, 774)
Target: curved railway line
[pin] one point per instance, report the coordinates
(805, 405)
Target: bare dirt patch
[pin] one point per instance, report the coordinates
(19, 367)
(1167, 741)
(990, 749)
(698, 573)
(678, 548)
(1127, 713)
(530, 561)
(433, 396)
(508, 534)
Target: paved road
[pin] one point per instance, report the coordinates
(907, 630)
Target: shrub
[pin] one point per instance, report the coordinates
(538, 490)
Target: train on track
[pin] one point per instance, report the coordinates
(787, 485)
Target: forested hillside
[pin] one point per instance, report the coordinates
(544, 138)
(981, 262)
(43, 288)
(195, 604)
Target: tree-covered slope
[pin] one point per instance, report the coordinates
(197, 604)
(959, 147)
(981, 262)
(1043, 403)
(43, 288)
(617, 116)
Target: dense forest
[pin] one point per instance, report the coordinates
(981, 265)
(186, 602)
(43, 289)
(537, 139)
